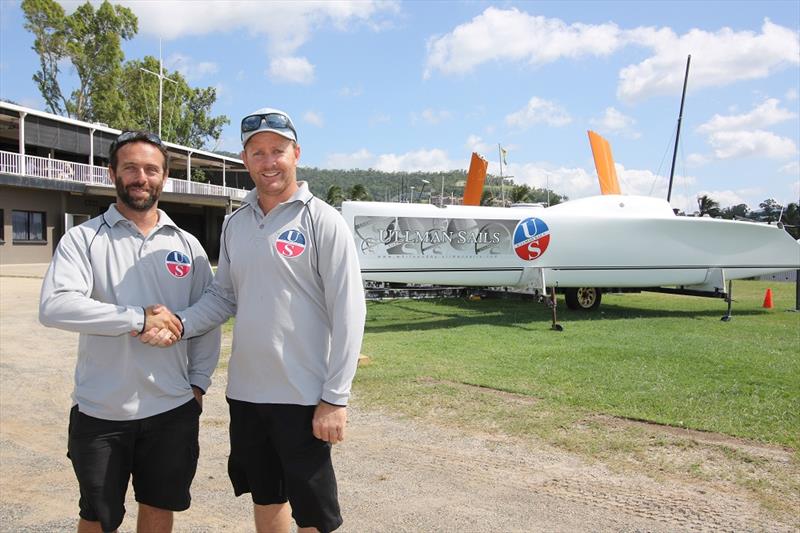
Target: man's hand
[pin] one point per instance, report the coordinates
(198, 395)
(161, 327)
(329, 422)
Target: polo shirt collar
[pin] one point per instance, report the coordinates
(302, 194)
(113, 216)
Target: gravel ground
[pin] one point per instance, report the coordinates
(395, 475)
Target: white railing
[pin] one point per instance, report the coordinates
(56, 169)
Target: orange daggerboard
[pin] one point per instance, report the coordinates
(475, 179)
(604, 163)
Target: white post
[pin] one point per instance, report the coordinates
(502, 181)
(21, 168)
(91, 155)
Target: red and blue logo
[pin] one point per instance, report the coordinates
(178, 264)
(531, 238)
(291, 243)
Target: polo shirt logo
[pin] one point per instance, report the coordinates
(178, 264)
(291, 243)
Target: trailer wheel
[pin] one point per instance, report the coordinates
(583, 298)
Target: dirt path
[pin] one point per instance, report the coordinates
(394, 475)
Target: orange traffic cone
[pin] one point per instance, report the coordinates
(768, 299)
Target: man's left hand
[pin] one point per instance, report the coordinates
(329, 422)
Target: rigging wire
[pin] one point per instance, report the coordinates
(658, 175)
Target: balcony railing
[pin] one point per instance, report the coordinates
(56, 169)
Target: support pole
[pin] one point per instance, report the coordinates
(729, 299)
(555, 326)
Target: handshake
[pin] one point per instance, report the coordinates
(161, 327)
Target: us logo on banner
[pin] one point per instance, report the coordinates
(178, 264)
(531, 237)
(291, 243)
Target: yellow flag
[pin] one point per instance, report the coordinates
(505, 153)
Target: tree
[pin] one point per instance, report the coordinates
(185, 112)
(791, 219)
(487, 198)
(358, 193)
(108, 91)
(91, 41)
(770, 210)
(335, 196)
(735, 211)
(708, 206)
(519, 194)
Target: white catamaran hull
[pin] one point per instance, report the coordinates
(601, 241)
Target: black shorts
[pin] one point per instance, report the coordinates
(160, 452)
(276, 457)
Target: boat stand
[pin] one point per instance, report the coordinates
(729, 299)
(555, 326)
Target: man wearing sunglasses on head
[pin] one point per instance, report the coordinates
(289, 273)
(135, 408)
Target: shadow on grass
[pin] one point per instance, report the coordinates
(519, 314)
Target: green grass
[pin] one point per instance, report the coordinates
(660, 358)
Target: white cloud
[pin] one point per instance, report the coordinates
(351, 92)
(766, 114)
(286, 25)
(614, 121)
(190, 69)
(513, 35)
(791, 95)
(793, 168)
(379, 118)
(573, 182)
(360, 159)
(315, 118)
(430, 116)
(171, 19)
(476, 144)
(433, 160)
(725, 198)
(696, 160)
(539, 111)
(292, 70)
(759, 143)
(718, 58)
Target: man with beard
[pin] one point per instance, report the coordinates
(135, 408)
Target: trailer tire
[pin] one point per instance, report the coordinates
(583, 298)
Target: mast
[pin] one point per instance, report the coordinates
(678, 133)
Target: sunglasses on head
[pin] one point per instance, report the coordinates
(276, 121)
(131, 136)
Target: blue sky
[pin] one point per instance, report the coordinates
(420, 85)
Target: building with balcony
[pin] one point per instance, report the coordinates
(54, 175)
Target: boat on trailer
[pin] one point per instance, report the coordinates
(600, 241)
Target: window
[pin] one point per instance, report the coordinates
(28, 226)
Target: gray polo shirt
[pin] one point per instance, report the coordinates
(102, 275)
(292, 279)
